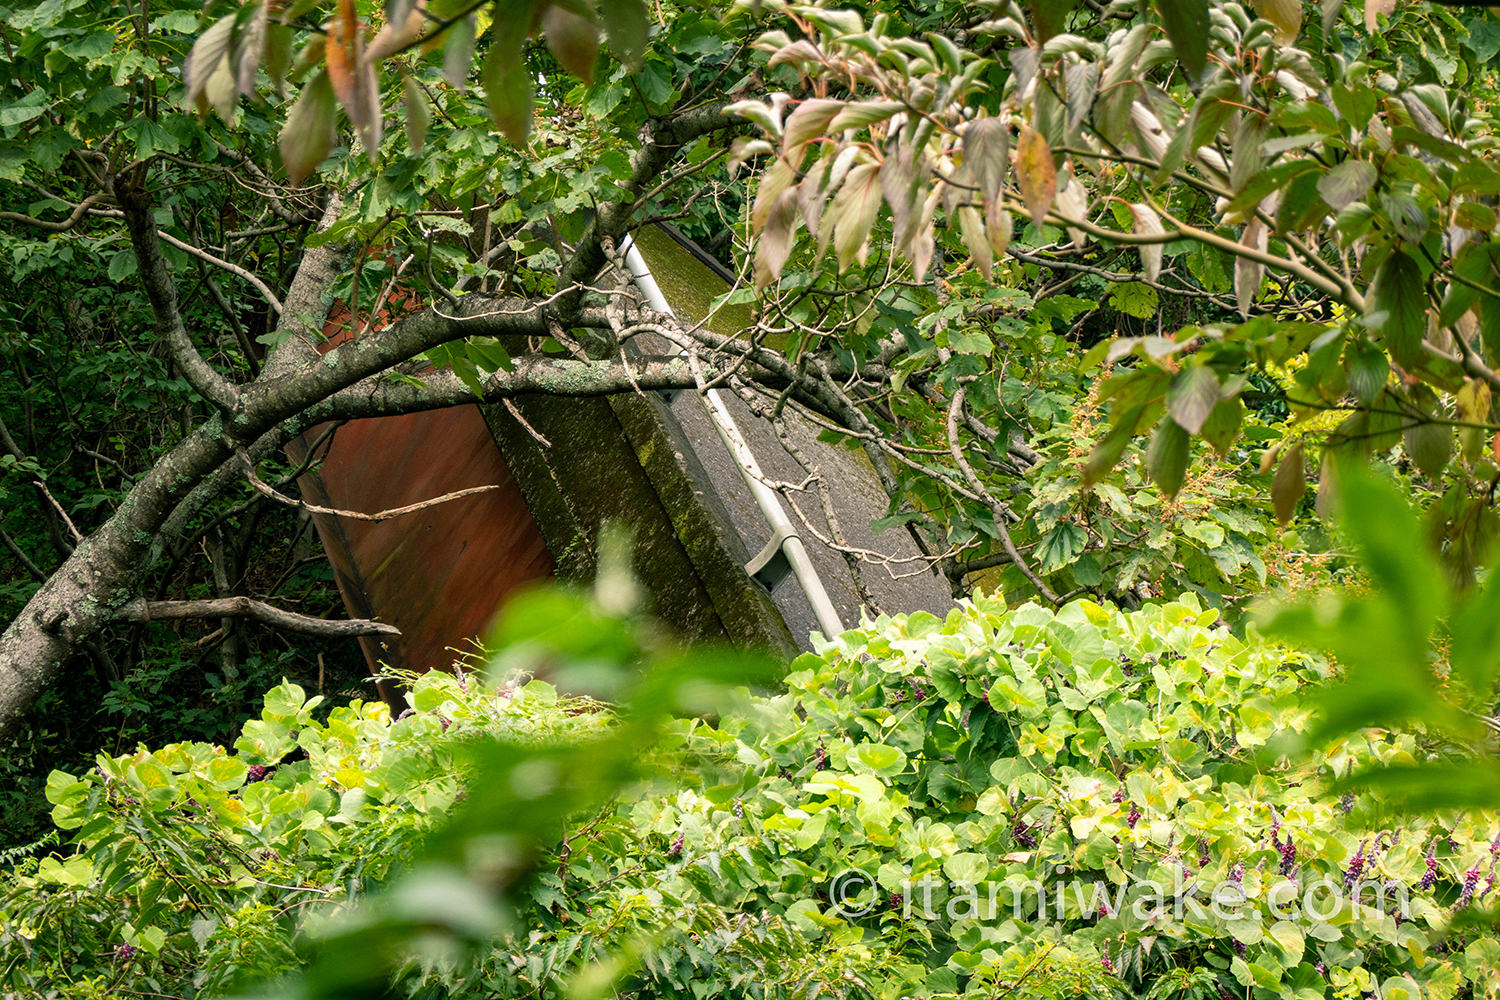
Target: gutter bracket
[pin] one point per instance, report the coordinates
(770, 565)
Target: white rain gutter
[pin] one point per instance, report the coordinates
(784, 539)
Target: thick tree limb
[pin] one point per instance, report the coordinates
(243, 607)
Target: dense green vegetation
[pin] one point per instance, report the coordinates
(1122, 301)
(1112, 761)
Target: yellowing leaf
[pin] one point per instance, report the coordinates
(1036, 174)
(352, 74)
(776, 239)
(394, 36)
(573, 40)
(1285, 14)
(1148, 223)
(1290, 483)
(418, 115)
(854, 209)
(1248, 273)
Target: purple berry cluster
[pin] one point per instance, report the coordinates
(125, 952)
(256, 772)
(675, 851)
(1430, 875)
(1135, 815)
(1237, 873)
(1107, 963)
(1024, 834)
(1471, 882)
(897, 901)
(1356, 866)
(820, 757)
(1288, 857)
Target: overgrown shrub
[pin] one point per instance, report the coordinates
(1089, 748)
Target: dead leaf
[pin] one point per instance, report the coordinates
(352, 74)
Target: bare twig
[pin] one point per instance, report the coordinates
(72, 528)
(384, 515)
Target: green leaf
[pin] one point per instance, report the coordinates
(1134, 298)
(880, 759)
(1429, 445)
(1167, 455)
(1399, 308)
(1192, 397)
(1106, 454)
(309, 131)
(33, 105)
(1186, 22)
(574, 40)
(626, 23)
(1223, 424)
(507, 82)
(1368, 369)
(1347, 183)
(122, 265)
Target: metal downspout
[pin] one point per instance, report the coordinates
(783, 533)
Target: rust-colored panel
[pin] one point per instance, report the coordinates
(438, 574)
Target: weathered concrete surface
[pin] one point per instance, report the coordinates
(902, 584)
(580, 469)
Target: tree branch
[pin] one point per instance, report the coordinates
(163, 295)
(1002, 512)
(243, 607)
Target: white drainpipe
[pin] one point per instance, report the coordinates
(783, 533)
